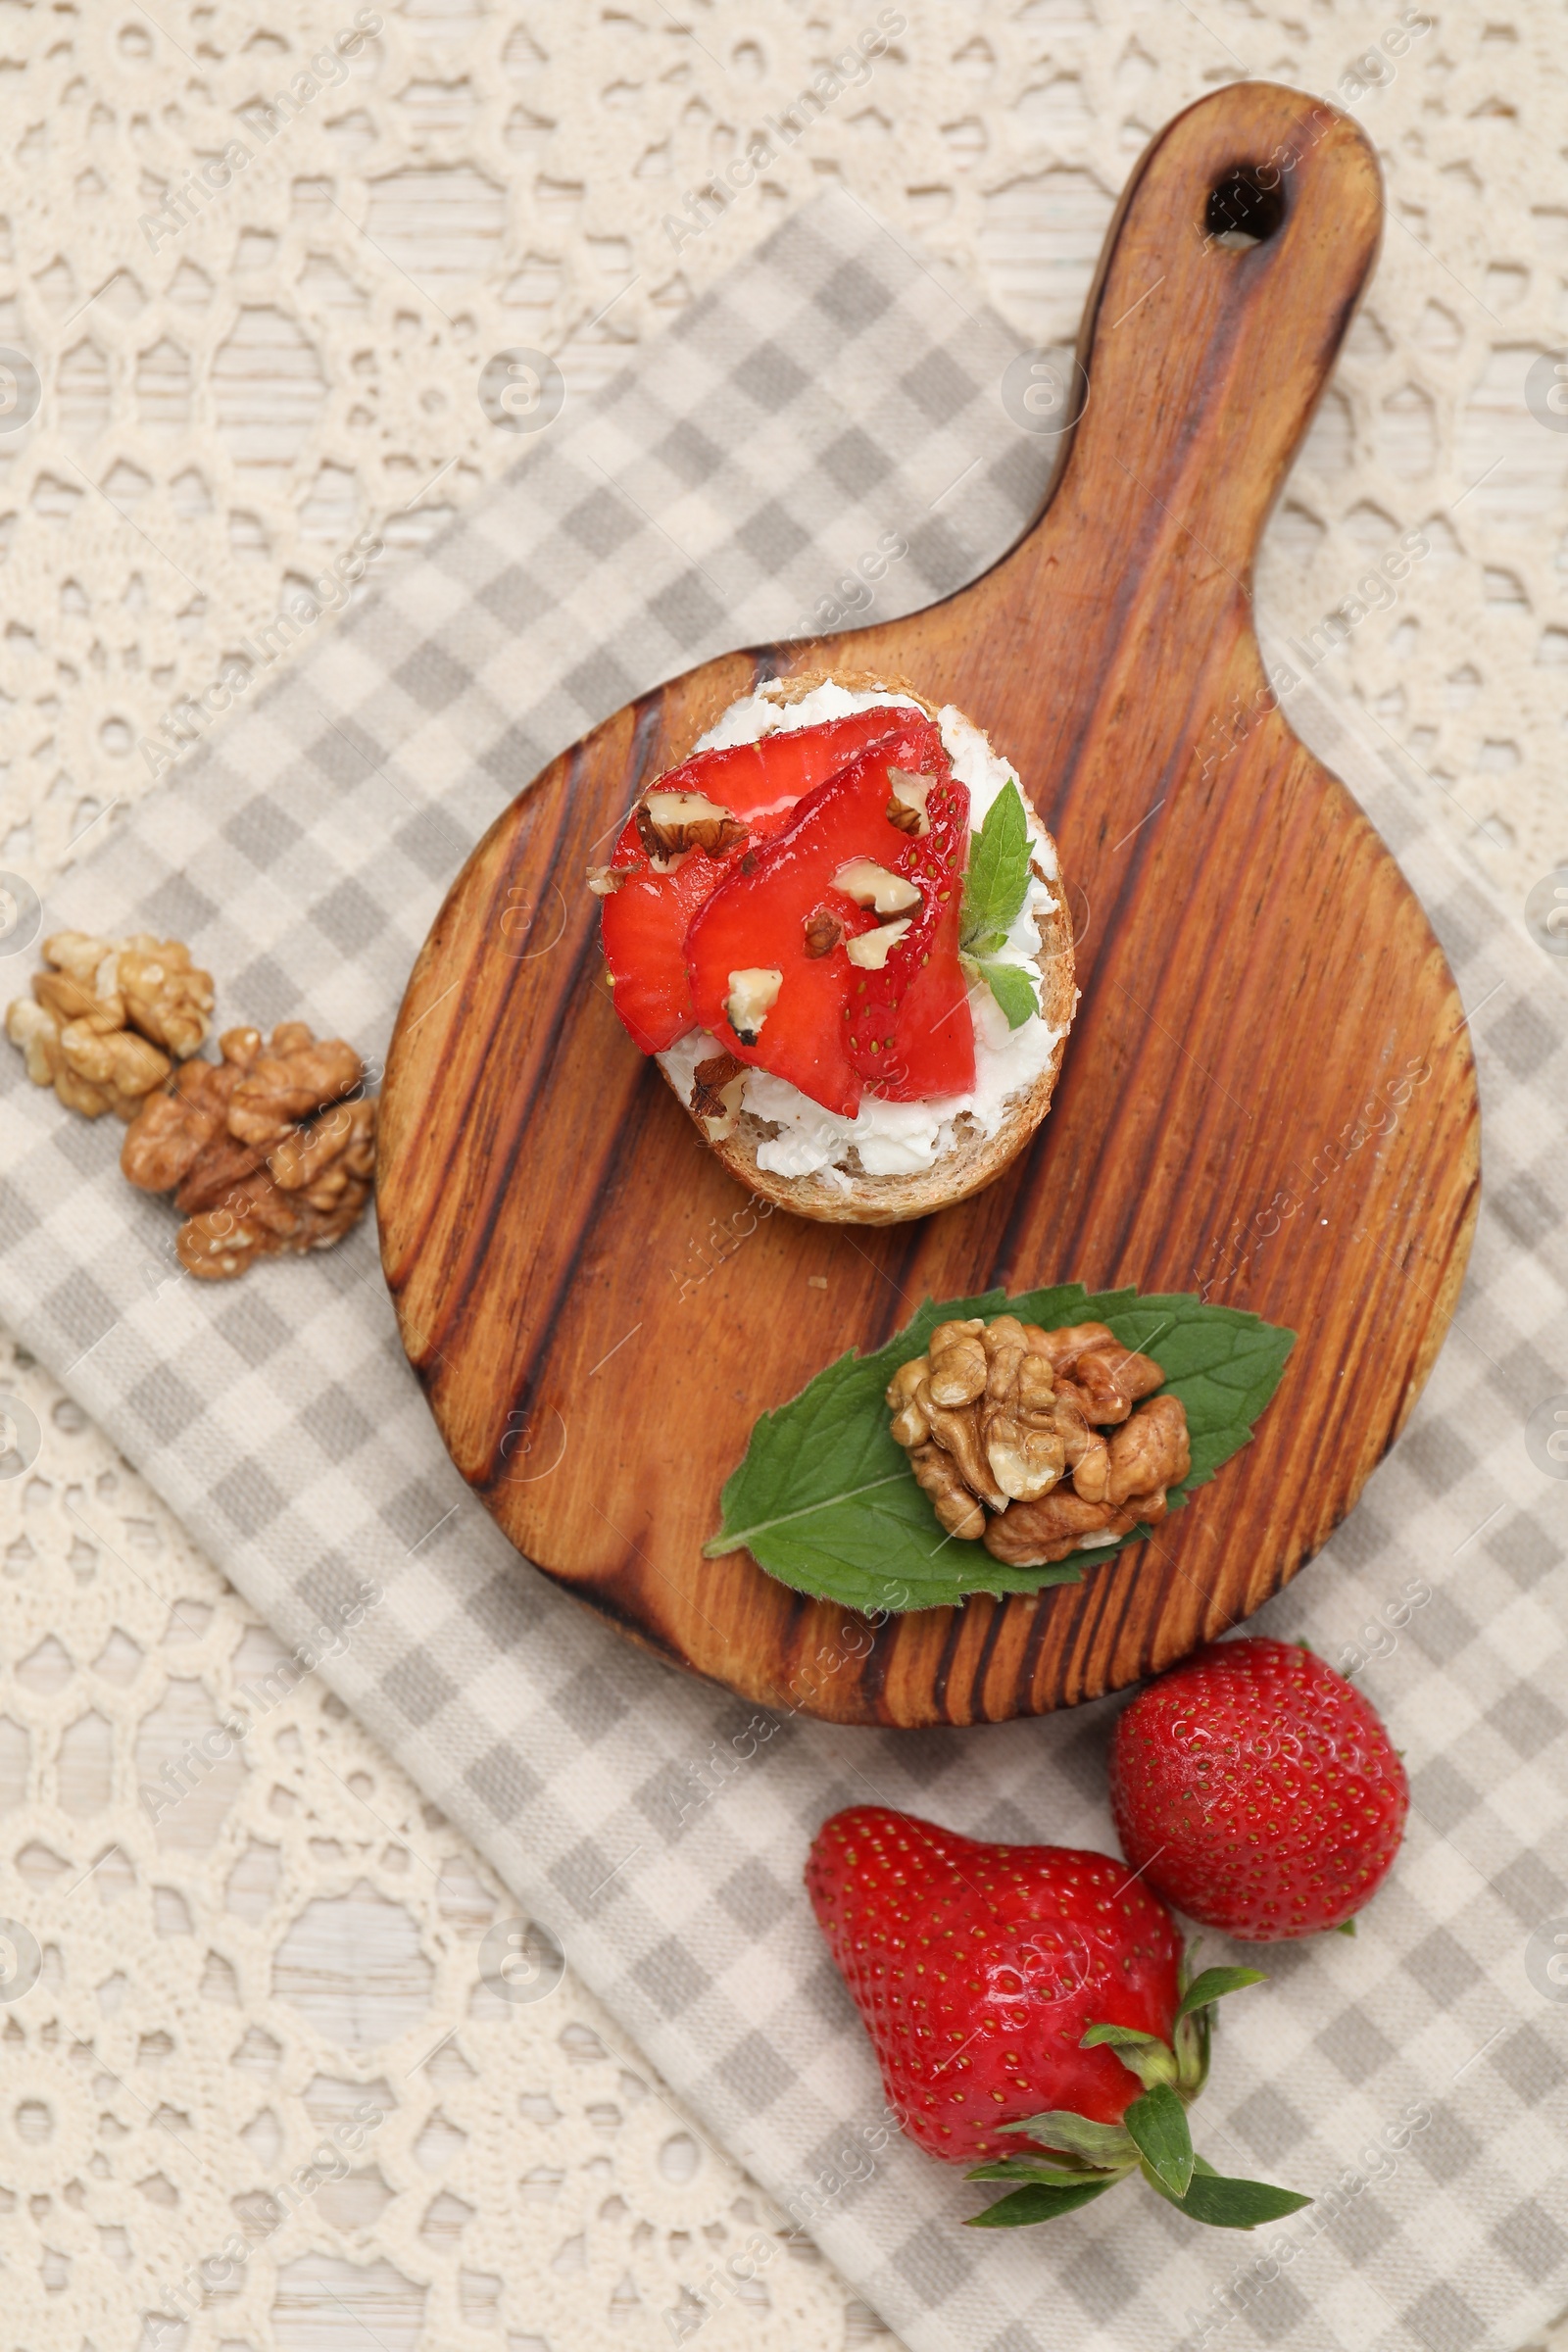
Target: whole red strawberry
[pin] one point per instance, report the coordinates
(979, 1969)
(1027, 2005)
(1255, 1789)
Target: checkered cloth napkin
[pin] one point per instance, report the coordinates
(836, 394)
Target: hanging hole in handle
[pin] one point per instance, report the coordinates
(1241, 211)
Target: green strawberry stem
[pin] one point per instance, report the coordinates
(1080, 2159)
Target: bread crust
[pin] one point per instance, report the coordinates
(974, 1161)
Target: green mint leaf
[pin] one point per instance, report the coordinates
(1013, 990)
(1040, 2202)
(1096, 2144)
(825, 1500)
(1228, 2204)
(1158, 2123)
(1347, 1927)
(1213, 1985)
(995, 882)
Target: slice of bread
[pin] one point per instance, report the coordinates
(840, 1196)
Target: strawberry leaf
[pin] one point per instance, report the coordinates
(1166, 2158)
(1145, 2055)
(1119, 2037)
(1158, 2123)
(1229, 2204)
(1040, 2201)
(1213, 1985)
(1040, 2168)
(1096, 2144)
(995, 882)
(825, 1500)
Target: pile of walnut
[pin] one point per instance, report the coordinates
(263, 1150)
(1029, 1438)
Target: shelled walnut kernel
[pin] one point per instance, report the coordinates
(261, 1150)
(108, 1018)
(1007, 1425)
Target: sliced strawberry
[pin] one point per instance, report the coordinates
(933, 1050)
(643, 934)
(758, 780)
(761, 919)
(645, 918)
(906, 1028)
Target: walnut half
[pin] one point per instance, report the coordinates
(669, 823)
(820, 932)
(261, 1149)
(105, 1017)
(1035, 1535)
(956, 1507)
(717, 1085)
(91, 1069)
(907, 798)
(177, 1128)
(752, 994)
(1005, 1427)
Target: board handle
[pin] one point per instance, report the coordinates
(1229, 276)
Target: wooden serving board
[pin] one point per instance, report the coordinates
(1269, 1088)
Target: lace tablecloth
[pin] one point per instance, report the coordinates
(223, 405)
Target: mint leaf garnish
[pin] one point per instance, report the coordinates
(825, 1499)
(1012, 989)
(995, 881)
(996, 884)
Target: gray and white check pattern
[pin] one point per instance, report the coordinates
(834, 388)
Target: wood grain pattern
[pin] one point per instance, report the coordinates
(1269, 1087)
